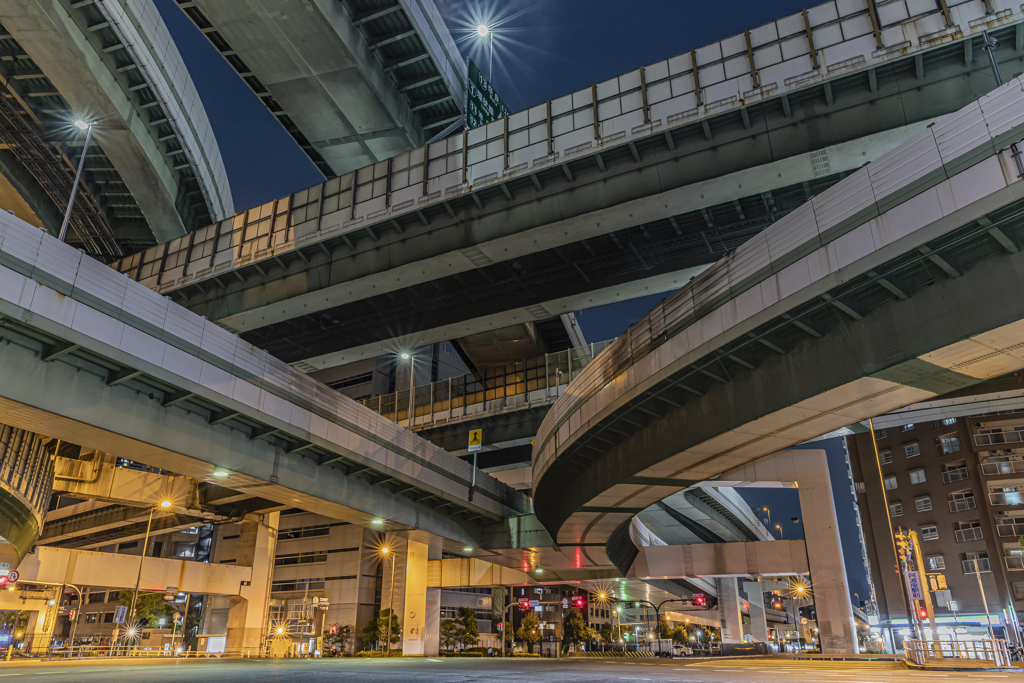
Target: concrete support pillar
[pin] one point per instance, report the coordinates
(432, 627)
(829, 586)
(729, 609)
(414, 615)
(39, 631)
(755, 591)
(26, 479)
(247, 612)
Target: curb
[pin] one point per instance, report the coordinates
(965, 669)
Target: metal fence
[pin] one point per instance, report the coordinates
(522, 382)
(1008, 467)
(923, 652)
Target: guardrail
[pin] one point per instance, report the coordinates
(922, 652)
(527, 382)
(955, 475)
(1009, 467)
(998, 438)
(96, 651)
(1006, 497)
(967, 535)
(1010, 529)
(963, 504)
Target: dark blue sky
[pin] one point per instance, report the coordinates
(543, 49)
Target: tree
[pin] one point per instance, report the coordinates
(395, 632)
(529, 629)
(371, 633)
(575, 629)
(468, 631)
(150, 608)
(337, 639)
(449, 634)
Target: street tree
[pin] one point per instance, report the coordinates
(394, 633)
(529, 629)
(449, 634)
(150, 608)
(337, 638)
(575, 629)
(468, 632)
(371, 634)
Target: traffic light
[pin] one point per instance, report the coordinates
(903, 546)
(499, 626)
(699, 600)
(524, 604)
(579, 602)
(776, 603)
(334, 628)
(923, 613)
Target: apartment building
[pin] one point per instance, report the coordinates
(959, 483)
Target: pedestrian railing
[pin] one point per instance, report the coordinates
(923, 652)
(141, 651)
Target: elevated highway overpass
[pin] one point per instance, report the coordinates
(625, 188)
(153, 168)
(891, 288)
(96, 359)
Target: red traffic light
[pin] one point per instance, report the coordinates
(923, 613)
(524, 604)
(334, 628)
(579, 602)
(499, 626)
(699, 600)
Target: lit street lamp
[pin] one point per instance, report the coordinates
(781, 535)
(386, 552)
(411, 357)
(135, 596)
(485, 31)
(87, 127)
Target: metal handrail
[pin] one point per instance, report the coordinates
(1014, 562)
(922, 652)
(954, 475)
(1008, 467)
(1008, 529)
(963, 504)
(966, 535)
(997, 438)
(1006, 497)
(983, 565)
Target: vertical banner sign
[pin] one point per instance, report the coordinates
(915, 588)
(120, 612)
(483, 104)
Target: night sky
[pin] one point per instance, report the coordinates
(543, 50)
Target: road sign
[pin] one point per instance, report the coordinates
(953, 607)
(534, 603)
(915, 588)
(13, 576)
(483, 104)
(565, 603)
(120, 612)
(476, 440)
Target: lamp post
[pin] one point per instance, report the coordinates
(385, 551)
(135, 596)
(87, 127)
(781, 535)
(411, 357)
(485, 31)
(767, 512)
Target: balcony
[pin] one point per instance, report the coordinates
(1010, 530)
(983, 564)
(967, 535)
(999, 438)
(1011, 467)
(954, 475)
(1014, 563)
(1005, 498)
(963, 504)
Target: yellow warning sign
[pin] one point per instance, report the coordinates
(476, 440)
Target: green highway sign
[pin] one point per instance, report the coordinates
(483, 104)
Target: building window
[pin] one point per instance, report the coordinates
(352, 381)
(885, 457)
(907, 428)
(976, 562)
(1018, 590)
(128, 546)
(895, 509)
(881, 433)
(917, 476)
(929, 533)
(97, 597)
(108, 617)
(935, 563)
(93, 617)
(912, 450)
(923, 504)
(947, 444)
(968, 531)
(890, 482)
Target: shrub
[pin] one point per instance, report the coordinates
(471, 654)
(378, 653)
(526, 654)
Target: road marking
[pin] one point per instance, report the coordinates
(433, 660)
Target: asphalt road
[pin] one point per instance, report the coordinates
(443, 670)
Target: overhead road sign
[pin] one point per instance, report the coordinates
(483, 103)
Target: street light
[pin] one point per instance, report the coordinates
(781, 535)
(87, 127)
(135, 596)
(485, 31)
(411, 357)
(385, 551)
